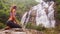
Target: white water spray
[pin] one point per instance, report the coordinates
(44, 14)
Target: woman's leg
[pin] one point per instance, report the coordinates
(13, 25)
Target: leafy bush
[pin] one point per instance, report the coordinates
(2, 25)
(31, 26)
(57, 9)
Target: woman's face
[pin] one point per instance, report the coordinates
(14, 10)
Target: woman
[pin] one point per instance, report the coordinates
(12, 23)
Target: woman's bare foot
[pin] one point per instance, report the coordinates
(7, 28)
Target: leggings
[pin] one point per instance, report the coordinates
(11, 24)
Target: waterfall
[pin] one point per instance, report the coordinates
(51, 14)
(44, 14)
(23, 18)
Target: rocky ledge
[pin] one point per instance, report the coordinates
(20, 31)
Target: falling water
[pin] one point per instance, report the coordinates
(44, 14)
(51, 14)
(23, 18)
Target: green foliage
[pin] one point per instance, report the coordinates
(24, 5)
(3, 11)
(58, 1)
(57, 9)
(2, 25)
(58, 12)
(31, 26)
